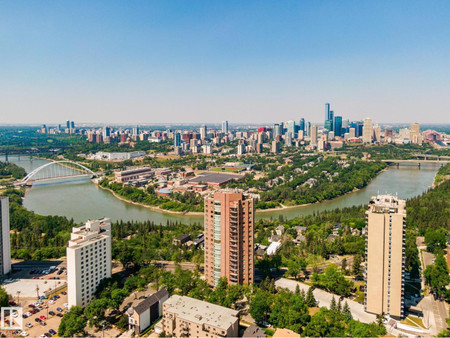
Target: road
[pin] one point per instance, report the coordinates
(324, 299)
(434, 311)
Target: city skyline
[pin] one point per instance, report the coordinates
(156, 62)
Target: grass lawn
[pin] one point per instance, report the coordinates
(413, 321)
(313, 310)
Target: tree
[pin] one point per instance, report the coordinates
(333, 306)
(95, 311)
(4, 298)
(356, 268)
(72, 323)
(344, 265)
(310, 300)
(437, 277)
(260, 306)
(346, 311)
(435, 240)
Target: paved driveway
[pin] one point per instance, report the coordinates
(324, 299)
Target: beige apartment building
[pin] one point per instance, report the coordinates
(189, 317)
(88, 260)
(385, 256)
(229, 227)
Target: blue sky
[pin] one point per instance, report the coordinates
(206, 61)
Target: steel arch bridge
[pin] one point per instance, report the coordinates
(56, 173)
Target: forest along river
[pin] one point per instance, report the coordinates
(80, 199)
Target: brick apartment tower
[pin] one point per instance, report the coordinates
(229, 226)
(385, 256)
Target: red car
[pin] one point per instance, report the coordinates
(43, 317)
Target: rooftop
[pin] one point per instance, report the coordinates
(217, 178)
(200, 312)
(386, 204)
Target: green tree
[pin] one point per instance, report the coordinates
(310, 300)
(260, 306)
(437, 277)
(72, 323)
(435, 240)
(356, 267)
(95, 311)
(344, 265)
(346, 311)
(4, 298)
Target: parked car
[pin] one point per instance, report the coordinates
(64, 293)
(24, 333)
(59, 314)
(43, 317)
(59, 309)
(29, 325)
(43, 323)
(66, 304)
(51, 313)
(37, 320)
(52, 331)
(51, 301)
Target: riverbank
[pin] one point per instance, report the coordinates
(151, 207)
(258, 211)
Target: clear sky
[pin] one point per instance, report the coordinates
(207, 61)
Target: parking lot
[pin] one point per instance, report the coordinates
(47, 316)
(31, 281)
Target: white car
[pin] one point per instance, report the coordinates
(28, 314)
(66, 304)
(24, 333)
(15, 314)
(29, 325)
(51, 301)
(42, 336)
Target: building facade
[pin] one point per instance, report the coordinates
(5, 250)
(314, 135)
(144, 314)
(367, 132)
(385, 256)
(229, 227)
(88, 260)
(189, 317)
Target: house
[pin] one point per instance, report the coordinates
(254, 331)
(183, 239)
(356, 232)
(279, 230)
(273, 248)
(331, 238)
(299, 239)
(274, 238)
(284, 333)
(146, 312)
(336, 229)
(199, 241)
(300, 229)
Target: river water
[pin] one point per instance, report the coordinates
(80, 199)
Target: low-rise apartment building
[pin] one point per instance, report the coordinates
(189, 317)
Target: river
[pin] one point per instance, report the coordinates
(80, 199)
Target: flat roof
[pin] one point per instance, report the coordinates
(218, 178)
(200, 312)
